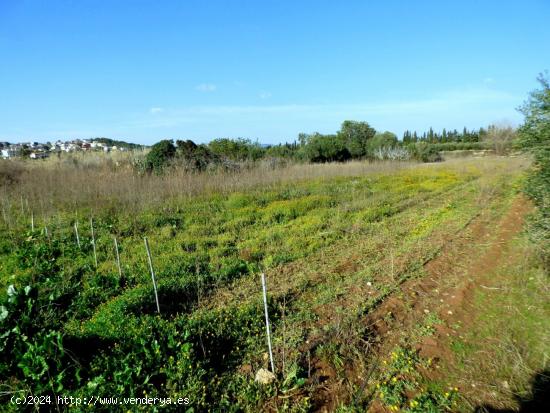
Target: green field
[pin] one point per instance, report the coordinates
(333, 248)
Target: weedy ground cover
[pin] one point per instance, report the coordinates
(333, 248)
(509, 338)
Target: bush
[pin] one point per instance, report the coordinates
(326, 148)
(160, 156)
(380, 141)
(534, 137)
(427, 153)
(236, 149)
(196, 157)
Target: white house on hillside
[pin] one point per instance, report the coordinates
(8, 153)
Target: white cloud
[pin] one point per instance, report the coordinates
(439, 103)
(156, 110)
(471, 107)
(206, 87)
(264, 94)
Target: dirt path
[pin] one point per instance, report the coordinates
(446, 290)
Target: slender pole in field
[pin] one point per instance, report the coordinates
(76, 233)
(93, 240)
(152, 273)
(267, 327)
(117, 258)
(284, 334)
(392, 273)
(4, 212)
(32, 221)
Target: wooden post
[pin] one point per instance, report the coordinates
(76, 233)
(93, 241)
(32, 221)
(267, 327)
(152, 273)
(117, 258)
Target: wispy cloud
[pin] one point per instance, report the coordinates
(463, 107)
(264, 94)
(156, 110)
(206, 87)
(436, 104)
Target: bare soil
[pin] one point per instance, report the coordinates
(463, 265)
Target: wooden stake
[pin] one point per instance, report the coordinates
(117, 258)
(152, 273)
(93, 241)
(267, 327)
(76, 233)
(32, 221)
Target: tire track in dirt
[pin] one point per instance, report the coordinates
(448, 287)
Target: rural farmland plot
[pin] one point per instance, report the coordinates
(91, 311)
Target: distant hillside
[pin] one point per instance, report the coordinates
(120, 144)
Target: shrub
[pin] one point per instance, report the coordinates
(160, 156)
(534, 137)
(427, 153)
(326, 148)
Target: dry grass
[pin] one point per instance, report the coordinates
(96, 181)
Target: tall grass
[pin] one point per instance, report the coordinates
(94, 181)
(106, 181)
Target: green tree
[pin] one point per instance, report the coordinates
(237, 149)
(195, 157)
(25, 151)
(160, 155)
(382, 140)
(326, 148)
(535, 131)
(355, 136)
(534, 137)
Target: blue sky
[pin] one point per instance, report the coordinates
(267, 70)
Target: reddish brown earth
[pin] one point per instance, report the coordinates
(462, 266)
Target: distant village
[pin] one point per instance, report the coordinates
(36, 150)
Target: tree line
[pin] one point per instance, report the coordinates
(446, 136)
(354, 140)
